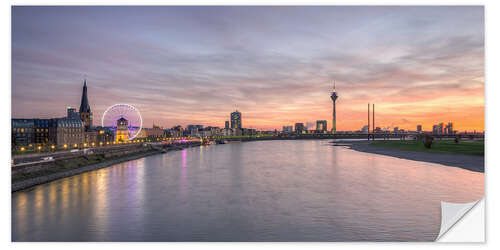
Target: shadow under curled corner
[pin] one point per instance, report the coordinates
(451, 216)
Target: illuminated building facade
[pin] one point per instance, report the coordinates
(22, 132)
(236, 120)
(68, 132)
(122, 130)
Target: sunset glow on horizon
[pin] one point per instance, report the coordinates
(276, 65)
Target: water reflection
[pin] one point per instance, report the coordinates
(256, 191)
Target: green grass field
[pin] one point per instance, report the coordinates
(463, 147)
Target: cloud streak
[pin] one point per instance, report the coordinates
(184, 65)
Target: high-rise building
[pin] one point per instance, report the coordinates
(334, 97)
(440, 128)
(226, 125)
(449, 128)
(299, 128)
(236, 120)
(85, 112)
(321, 126)
(435, 129)
(419, 128)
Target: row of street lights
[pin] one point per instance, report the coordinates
(94, 144)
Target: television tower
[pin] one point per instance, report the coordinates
(334, 97)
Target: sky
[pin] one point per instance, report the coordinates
(276, 65)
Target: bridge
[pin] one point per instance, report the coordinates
(370, 136)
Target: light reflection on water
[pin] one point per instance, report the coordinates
(254, 191)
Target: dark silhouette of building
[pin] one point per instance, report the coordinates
(287, 129)
(449, 129)
(299, 128)
(440, 128)
(85, 112)
(321, 126)
(71, 113)
(435, 129)
(419, 128)
(226, 125)
(236, 120)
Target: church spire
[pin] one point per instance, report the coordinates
(84, 106)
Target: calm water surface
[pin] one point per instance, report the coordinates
(254, 191)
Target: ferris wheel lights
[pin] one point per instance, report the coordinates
(129, 113)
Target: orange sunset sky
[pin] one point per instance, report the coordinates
(195, 65)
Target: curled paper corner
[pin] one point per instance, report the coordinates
(452, 213)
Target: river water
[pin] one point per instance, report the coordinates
(297, 190)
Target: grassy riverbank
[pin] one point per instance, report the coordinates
(448, 147)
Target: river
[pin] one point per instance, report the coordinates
(295, 190)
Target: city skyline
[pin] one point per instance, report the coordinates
(195, 71)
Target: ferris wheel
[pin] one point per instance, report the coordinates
(128, 112)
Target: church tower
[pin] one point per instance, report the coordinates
(85, 112)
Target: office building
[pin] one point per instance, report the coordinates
(299, 128)
(321, 126)
(71, 113)
(22, 132)
(236, 120)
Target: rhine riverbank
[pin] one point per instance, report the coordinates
(58, 169)
(465, 161)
